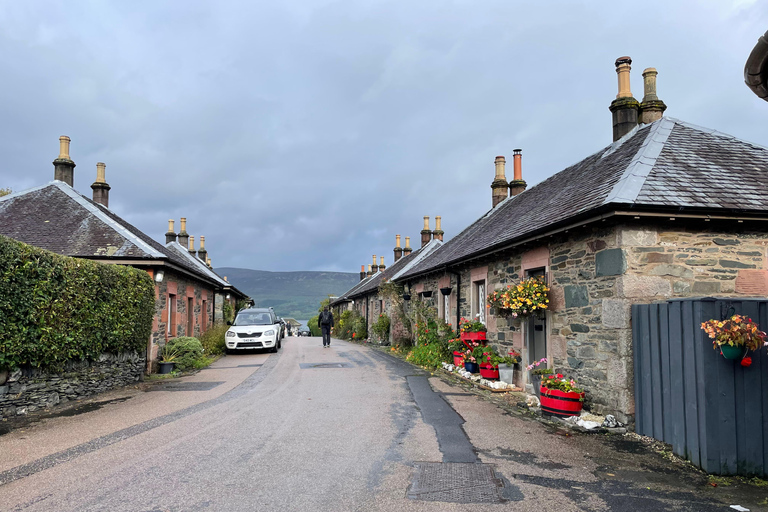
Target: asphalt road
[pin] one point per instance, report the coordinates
(345, 428)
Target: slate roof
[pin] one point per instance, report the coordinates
(665, 165)
(371, 284)
(58, 218)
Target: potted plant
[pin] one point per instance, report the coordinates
(537, 369)
(529, 297)
(561, 396)
(472, 330)
(167, 359)
(507, 368)
(456, 346)
(489, 364)
(472, 357)
(735, 336)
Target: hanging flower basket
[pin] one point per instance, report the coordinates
(529, 297)
(735, 336)
(733, 352)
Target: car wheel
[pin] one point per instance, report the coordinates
(227, 351)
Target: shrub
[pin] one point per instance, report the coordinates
(314, 329)
(213, 341)
(55, 309)
(430, 355)
(188, 351)
(380, 328)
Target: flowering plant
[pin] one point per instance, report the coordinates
(737, 331)
(535, 370)
(530, 296)
(475, 352)
(472, 326)
(561, 383)
(513, 357)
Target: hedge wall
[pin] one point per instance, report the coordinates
(54, 308)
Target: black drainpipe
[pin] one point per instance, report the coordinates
(458, 299)
(367, 307)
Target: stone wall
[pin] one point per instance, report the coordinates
(596, 274)
(28, 389)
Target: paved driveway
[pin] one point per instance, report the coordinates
(345, 428)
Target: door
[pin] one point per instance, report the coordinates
(536, 328)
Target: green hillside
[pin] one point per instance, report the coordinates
(293, 294)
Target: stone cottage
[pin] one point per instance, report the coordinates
(58, 218)
(667, 210)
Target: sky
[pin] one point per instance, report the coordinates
(304, 135)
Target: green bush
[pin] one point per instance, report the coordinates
(351, 322)
(212, 340)
(55, 309)
(188, 350)
(314, 329)
(380, 328)
(430, 355)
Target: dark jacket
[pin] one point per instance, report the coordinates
(325, 319)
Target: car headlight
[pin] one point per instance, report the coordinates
(270, 332)
(231, 334)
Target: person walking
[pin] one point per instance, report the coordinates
(325, 322)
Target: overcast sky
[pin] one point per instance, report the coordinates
(303, 135)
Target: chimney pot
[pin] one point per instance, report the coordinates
(381, 264)
(362, 272)
(624, 109)
(183, 235)
(426, 234)
(100, 187)
(398, 249)
(518, 184)
(499, 183)
(652, 108)
(63, 166)
(438, 233)
(192, 244)
(170, 236)
(407, 249)
(202, 253)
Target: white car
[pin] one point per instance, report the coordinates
(254, 328)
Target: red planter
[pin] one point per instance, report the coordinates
(473, 336)
(559, 403)
(489, 372)
(458, 358)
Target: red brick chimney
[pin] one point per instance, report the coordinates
(63, 166)
(426, 234)
(517, 185)
(362, 272)
(499, 183)
(170, 236)
(100, 187)
(398, 249)
(438, 233)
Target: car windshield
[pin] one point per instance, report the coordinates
(253, 318)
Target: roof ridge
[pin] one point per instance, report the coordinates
(628, 187)
(122, 230)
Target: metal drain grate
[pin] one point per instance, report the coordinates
(305, 366)
(454, 482)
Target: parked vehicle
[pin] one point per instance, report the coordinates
(304, 331)
(254, 328)
(282, 327)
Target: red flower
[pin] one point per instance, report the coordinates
(746, 361)
(559, 376)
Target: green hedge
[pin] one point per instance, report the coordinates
(55, 309)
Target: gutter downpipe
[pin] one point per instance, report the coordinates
(458, 296)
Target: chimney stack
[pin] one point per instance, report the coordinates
(652, 108)
(192, 246)
(374, 267)
(426, 234)
(183, 235)
(438, 233)
(624, 108)
(369, 273)
(398, 249)
(202, 253)
(407, 249)
(499, 183)
(381, 264)
(63, 166)
(100, 186)
(170, 236)
(517, 185)
(362, 272)
(209, 263)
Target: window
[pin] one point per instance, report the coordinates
(190, 316)
(478, 300)
(446, 308)
(171, 320)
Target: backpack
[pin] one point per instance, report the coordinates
(325, 318)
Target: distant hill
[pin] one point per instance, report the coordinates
(293, 294)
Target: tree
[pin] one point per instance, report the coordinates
(5, 191)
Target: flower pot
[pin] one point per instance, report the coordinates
(446, 290)
(473, 336)
(165, 367)
(458, 358)
(489, 372)
(536, 383)
(733, 352)
(471, 367)
(506, 373)
(559, 403)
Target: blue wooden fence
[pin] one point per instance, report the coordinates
(713, 411)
